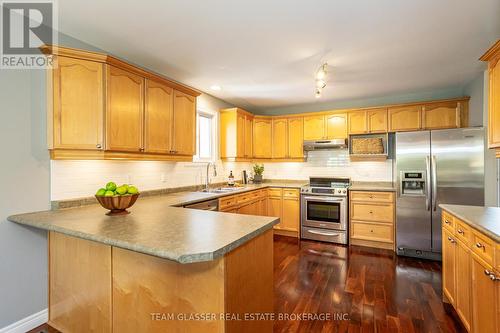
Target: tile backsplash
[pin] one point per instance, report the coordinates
(76, 179)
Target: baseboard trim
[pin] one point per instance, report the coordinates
(27, 323)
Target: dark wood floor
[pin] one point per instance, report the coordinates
(374, 290)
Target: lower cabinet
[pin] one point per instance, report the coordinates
(372, 219)
(470, 282)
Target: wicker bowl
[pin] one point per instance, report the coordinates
(118, 205)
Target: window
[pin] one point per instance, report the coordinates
(206, 130)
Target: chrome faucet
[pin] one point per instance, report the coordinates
(207, 180)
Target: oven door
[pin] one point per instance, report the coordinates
(325, 212)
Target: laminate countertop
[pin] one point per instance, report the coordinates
(157, 228)
(484, 219)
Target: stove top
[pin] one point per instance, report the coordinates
(327, 186)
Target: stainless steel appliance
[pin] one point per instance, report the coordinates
(324, 144)
(205, 205)
(324, 209)
(434, 167)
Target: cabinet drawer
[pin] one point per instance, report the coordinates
(462, 231)
(372, 212)
(245, 197)
(256, 194)
(227, 202)
(483, 246)
(372, 232)
(291, 193)
(372, 196)
(274, 192)
(447, 221)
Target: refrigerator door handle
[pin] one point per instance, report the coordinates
(427, 183)
(434, 183)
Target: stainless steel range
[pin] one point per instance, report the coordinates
(324, 209)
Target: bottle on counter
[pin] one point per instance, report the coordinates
(230, 179)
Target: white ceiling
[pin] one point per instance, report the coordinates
(264, 53)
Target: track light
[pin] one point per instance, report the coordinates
(321, 79)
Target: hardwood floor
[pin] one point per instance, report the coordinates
(375, 290)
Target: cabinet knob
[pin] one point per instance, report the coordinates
(451, 239)
(98, 146)
(446, 221)
(141, 149)
(487, 272)
(460, 231)
(479, 245)
(493, 277)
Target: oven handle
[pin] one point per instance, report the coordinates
(329, 199)
(322, 233)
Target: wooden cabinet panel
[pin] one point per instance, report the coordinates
(240, 134)
(485, 295)
(248, 136)
(184, 124)
(372, 196)
(158, 117)
(275, 192)
(463, 284)
(463, 232)
(447, 221)
(291, 214)
(406, 118)
(449, 265)
(78, 104)
(124, 110)
(494, 103)
(372, 212)
(372, 232)
(247, 209)
(280, 138)
(358, 122)
(483, 246)
(336, 126)
(314, 127)
(441, 115)
(296, 137)
(262, 136)
(377, 120)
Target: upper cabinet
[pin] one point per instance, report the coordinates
(184, 124)
(358, 122)
(280, 138)
(377, 120)
(405, 118)
(492, 56)
(314, 127)
(262, 137)
(236, 132)
(78, 105)
(336, 126)
(442, 115)
(295, 137)
(124, 110)
(104, 108)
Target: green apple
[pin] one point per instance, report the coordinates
(101, 192)
(109, 194)
(122, 190)
(110, 186)
(132, 190)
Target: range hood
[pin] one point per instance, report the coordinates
(325, 144)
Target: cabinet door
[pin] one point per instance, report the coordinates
(449, 265)
(441, 115)
(274, 208)
(184, 124)
(262, 136)
(78, 102)
(494, 104)
(240, 134)
(248, 136)
(377, 120)
(314, 128)
(358, 123)
(463, 284)
(263, 206)
(246, 209)
(296, 137)
(336, 126)
(406, 118)
(484, 294)
(124, 111)
(291, 214)
(158, 117)
(280, 138)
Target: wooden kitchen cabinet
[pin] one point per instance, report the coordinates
(371, 219)
(280, 138)
(463, 283)
(449, 265)
(291, 210)
(124, 110)
(336, 126)
(405, 118)
(184, 124)
(358, 122)
(492, 56)
(262, 137)
(314, 127)
(158, 117)
(78, 105)
(236, 134)
(485, 294)
(377, 120)
(296, 137)
(275, 204)
(441, 115)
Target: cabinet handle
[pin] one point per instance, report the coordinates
(493, 277)
(371, 211)
(446, 221)
(479, 245)
(451, 239)
(460, 231)
(487, 272)
(98, 146)
(141, 149)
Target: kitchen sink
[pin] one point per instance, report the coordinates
(223, 189)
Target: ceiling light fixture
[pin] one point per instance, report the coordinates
(321, 79)
(321, 73)
(215, 87)
(318, 93)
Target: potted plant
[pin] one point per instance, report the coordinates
(258, 170)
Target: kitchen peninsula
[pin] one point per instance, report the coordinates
(133, 273)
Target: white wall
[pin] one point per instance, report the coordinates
(24, 187)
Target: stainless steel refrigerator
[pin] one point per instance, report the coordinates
(434, 167)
